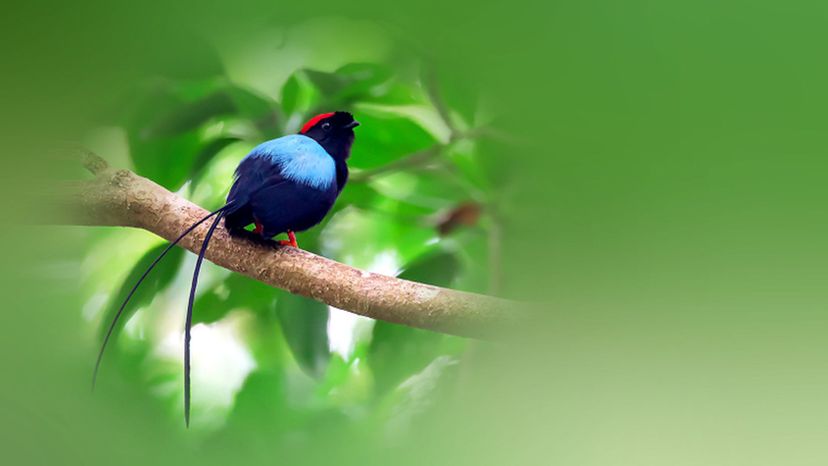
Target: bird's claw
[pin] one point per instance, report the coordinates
(291, 241)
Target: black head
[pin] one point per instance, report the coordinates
(333, 131)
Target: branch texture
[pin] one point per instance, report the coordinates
(122, 198)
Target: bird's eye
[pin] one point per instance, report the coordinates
(326, 125)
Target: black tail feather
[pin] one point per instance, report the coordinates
(140, 280)
(189, 321)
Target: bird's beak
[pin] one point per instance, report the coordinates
(352, 124)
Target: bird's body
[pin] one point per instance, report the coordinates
(284, 185)
(287, 184)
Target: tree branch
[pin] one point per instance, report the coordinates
(122, 198)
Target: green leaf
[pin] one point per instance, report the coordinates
(162, 129)
(463, 156)
(261, 111)
(165, 126)
(349, 81)
(419, 392)
(187, 116)
(426, 192)
(304, 324)
(397, 352)
(206, 154)
(299, 95)
(290, 95)
(160, 277)
(365, 237)
(437, 268)
(360, 80)
(327, 83)
(166, 161)
(336, 375)
(262, 403)
(347, 383)
(358, 195)
(237, 291)
(396, 94)
(384, 137)
(443, 187)
(357, 82)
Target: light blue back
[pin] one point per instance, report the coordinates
(302, 160)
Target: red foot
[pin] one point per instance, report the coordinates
(291, 241)
(259, 228)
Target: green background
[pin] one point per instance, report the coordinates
(663, 190)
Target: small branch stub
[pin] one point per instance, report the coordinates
(93, 163)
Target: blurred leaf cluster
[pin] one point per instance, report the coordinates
(419, 205)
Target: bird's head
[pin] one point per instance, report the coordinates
(334, 131)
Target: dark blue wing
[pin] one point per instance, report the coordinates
(252, 174)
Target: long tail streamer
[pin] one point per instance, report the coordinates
(189, 321)
(140, 280)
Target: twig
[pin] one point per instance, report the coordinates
(414, 160)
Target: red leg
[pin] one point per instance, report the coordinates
(259, 228)
(291, 241)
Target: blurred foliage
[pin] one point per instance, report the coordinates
(667, 213)
(418, 205)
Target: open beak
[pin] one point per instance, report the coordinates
(352, 124)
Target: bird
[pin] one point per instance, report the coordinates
(285, 185)
(304, 172)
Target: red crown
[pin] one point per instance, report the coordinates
(313, 121)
